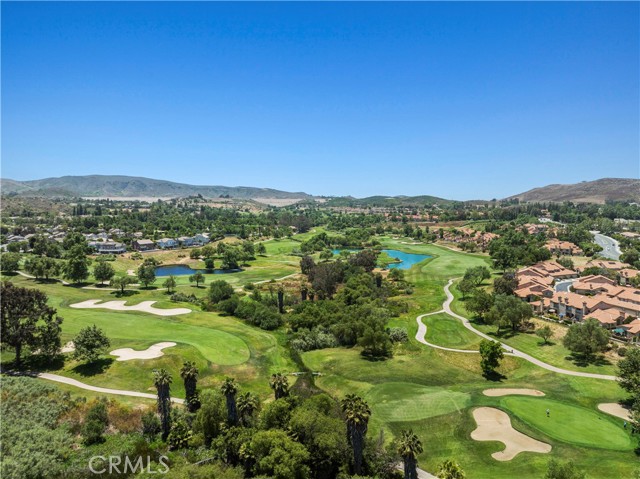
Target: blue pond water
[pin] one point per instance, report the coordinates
(181, 270)
(407, 260)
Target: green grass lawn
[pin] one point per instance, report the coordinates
(571, 424)
(219, 345)
(443, 330)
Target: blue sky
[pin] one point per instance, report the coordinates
(458, 100)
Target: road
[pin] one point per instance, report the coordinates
(446, 308)
(610, 247)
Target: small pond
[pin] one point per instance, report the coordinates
(406, 260)
(182, 269)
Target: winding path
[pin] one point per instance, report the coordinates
(88, 387)
(446, 308)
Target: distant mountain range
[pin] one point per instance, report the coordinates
(134, 187)
(598, 191)
(101, 186)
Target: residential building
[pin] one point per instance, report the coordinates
(143, 245)
(563, 247)
(166, 243)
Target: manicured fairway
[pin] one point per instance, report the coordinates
(399, 401)
(571, 424)
(216, 346)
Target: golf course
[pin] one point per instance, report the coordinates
(432, 391)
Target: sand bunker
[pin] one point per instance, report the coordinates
(495, 425)
(508, 392)
(615, 409)
(155, 351)
(145, 306)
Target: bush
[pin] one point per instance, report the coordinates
(622, 352)
(184, 298)
(151, 426)
(398, 335)
(92, 432)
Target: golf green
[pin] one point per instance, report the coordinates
(571, 424)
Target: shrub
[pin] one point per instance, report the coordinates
(398, 335)
(622, 352)
(150, 423)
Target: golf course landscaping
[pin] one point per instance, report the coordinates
(432, 391)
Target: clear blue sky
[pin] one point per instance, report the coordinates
(458, 100)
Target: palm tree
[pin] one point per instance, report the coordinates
(247, 405)
(230, 388)
(280, 385)
(450, 470)
(189, 374)
(409, 447)
(162, 381)
(357, 414)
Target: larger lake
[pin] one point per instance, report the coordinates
(182, 269)
(406, 260)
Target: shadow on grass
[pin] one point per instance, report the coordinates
(34, 363)
(583, 361)
(494, 376)
(78, 285)
(98, 366)
(120, 294)
(546, 343)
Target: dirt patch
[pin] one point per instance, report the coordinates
(155, 351)
(144, 306)
(495, 425)
(509, 391)
(615, 409)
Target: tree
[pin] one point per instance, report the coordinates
(146, 274)
(357, 413)
(409, 446)
(248, 404)
(76, 268)
(375, 343)
(189, 375)
(567, 470)
(169, 283)
(508, 311)
(95, 423)
(629, 372)
(219, 291)
(90, 343)
(261, 249)
(307, 265)
(280, 385)
(230, 259)
(490, 355)
(326, 255)
(27, 320)
(42, 267)
(504, 257)
(122, 282)
(450, 470)
(229, 389)
(479, 303)
(477, 275)
(162, 381)
(586, 338)
(466, 286)
(278, 456)
(103, 271)
(9, 262)
(211, 416)
(197, 278)
(545, 333)
(505, 284)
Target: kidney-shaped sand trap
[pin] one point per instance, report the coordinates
(155, 351)
(144, 306)
(495, 425)
(615, 409)
(508, 392)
